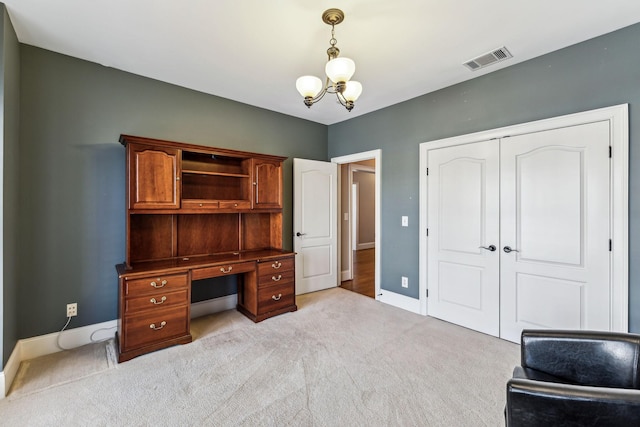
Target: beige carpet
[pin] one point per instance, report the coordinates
(58, 368)
(341, 360)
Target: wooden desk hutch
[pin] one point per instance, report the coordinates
(196, 212)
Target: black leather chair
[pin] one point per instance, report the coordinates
(575, 378)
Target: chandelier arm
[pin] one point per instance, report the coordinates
(319, 96)
(323, 92)
(343, 101)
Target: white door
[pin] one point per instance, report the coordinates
(542, 199)
(555, 219)
(463, 218)
(315, 212)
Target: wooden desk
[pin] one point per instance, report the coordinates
(155, 296)
(184, 203)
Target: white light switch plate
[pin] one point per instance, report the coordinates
(405, 221)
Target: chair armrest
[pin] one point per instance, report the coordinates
(535, 403)
(532, 374)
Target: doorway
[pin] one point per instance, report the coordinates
(359, 222)
(358, 218)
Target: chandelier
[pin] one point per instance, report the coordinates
(338, 71)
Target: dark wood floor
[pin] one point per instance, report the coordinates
(363, 273)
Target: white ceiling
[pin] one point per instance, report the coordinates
(252, 51)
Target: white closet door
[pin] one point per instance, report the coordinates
(463, 216)
(555, 218)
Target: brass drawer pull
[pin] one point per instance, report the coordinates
(156, 328)
(226, 271)
(276, 298)
(276, 265)
(153, 300)
(276, 279)
(161, 285)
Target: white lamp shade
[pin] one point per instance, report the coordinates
(340, 69)
(352, 91)
(309, 86)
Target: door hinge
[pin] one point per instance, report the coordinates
(427, 232)
(427, 171)
(610, 245)
(610, 151)
(427, 293)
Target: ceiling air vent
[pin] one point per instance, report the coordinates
(488, 59)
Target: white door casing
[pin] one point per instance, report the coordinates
(463, 266)
(616, 119)
(376, 155)
(555, 214)
(314, 224)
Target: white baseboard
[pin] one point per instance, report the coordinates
(30, 348)
(366, 245)
(10, 369)
(345, 275)
(216, 305)
(71, 338)
(399, 300)
(42, 345)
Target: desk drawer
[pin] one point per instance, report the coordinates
(267, 268)
(199, 204)
(273, 278)
(155, 326)
(222, 270)
(155, 284)
(235, 204)
(271, 298)
(155, 302)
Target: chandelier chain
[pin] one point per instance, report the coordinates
(333, 40)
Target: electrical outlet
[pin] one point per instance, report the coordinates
(72, 309)
(405, 282)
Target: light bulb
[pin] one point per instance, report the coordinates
(340, 69)
(352, 90)
(309, 86)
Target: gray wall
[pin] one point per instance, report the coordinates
(10, 105)
(72, 190)
(366, 206)
(71, 168)
(598, 73)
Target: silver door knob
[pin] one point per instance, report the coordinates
(508, 249)
(491, 248)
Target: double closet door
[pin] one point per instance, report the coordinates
(519, 232)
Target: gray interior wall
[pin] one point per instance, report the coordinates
(71, 168)
(597, 73)
(72, 189)
(10, 104)
(366, 206)
(345, 224)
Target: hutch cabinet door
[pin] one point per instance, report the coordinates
(154, 177)
(267, 184)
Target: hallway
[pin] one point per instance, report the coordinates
(363, 273)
